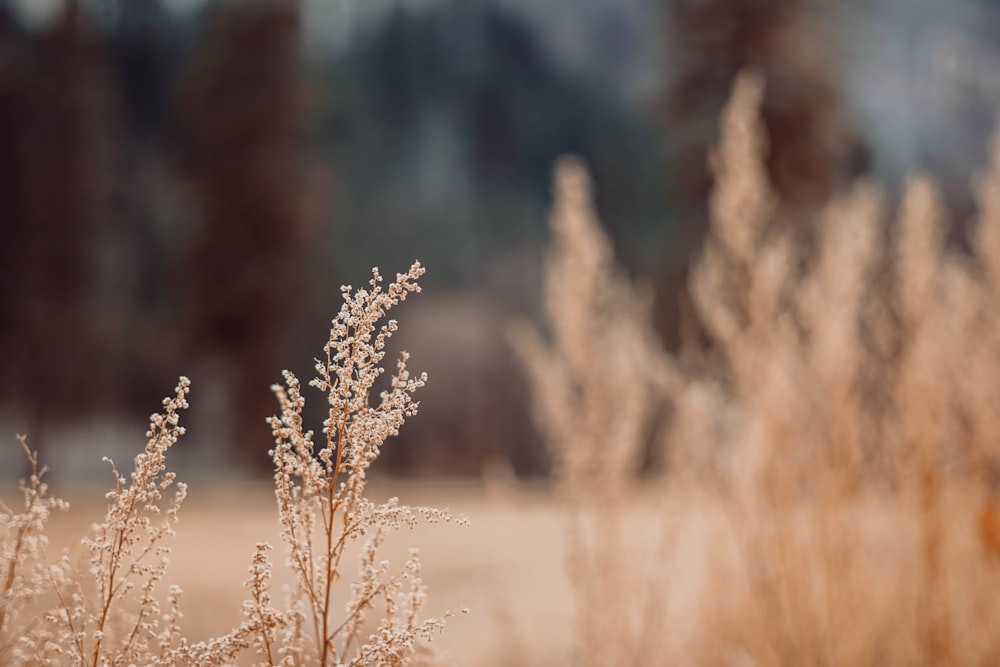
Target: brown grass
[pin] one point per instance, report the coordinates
(835, 414)
(108, 604)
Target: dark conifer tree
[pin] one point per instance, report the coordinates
(239, 127)
(61, 214)
(14, 80)
(813, 150)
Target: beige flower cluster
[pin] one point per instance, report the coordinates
(112, 610)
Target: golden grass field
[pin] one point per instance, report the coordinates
(506, 566)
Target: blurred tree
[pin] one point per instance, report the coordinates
(14, 79)
(813, 149)
(445, 126)
(58, 220)
(143, 41)
(239, 124)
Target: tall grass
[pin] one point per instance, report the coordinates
(835, 420)
(112, 607)
(595, 383)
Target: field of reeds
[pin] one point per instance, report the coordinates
(812, 480)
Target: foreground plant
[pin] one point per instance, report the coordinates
(111, 610)
(22, 548)
(321, 501)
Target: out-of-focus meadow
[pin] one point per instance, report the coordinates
(751, 425)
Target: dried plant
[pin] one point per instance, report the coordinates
(22, 571)
(321, 502)
(111, 611)
(108, 611)
(845, 404)
(594, 393)
(834, 420)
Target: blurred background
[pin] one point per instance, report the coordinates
(185, 184)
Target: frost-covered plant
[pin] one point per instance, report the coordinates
(22, 549)
(110, 613)
(321, 501)
(110, 610)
